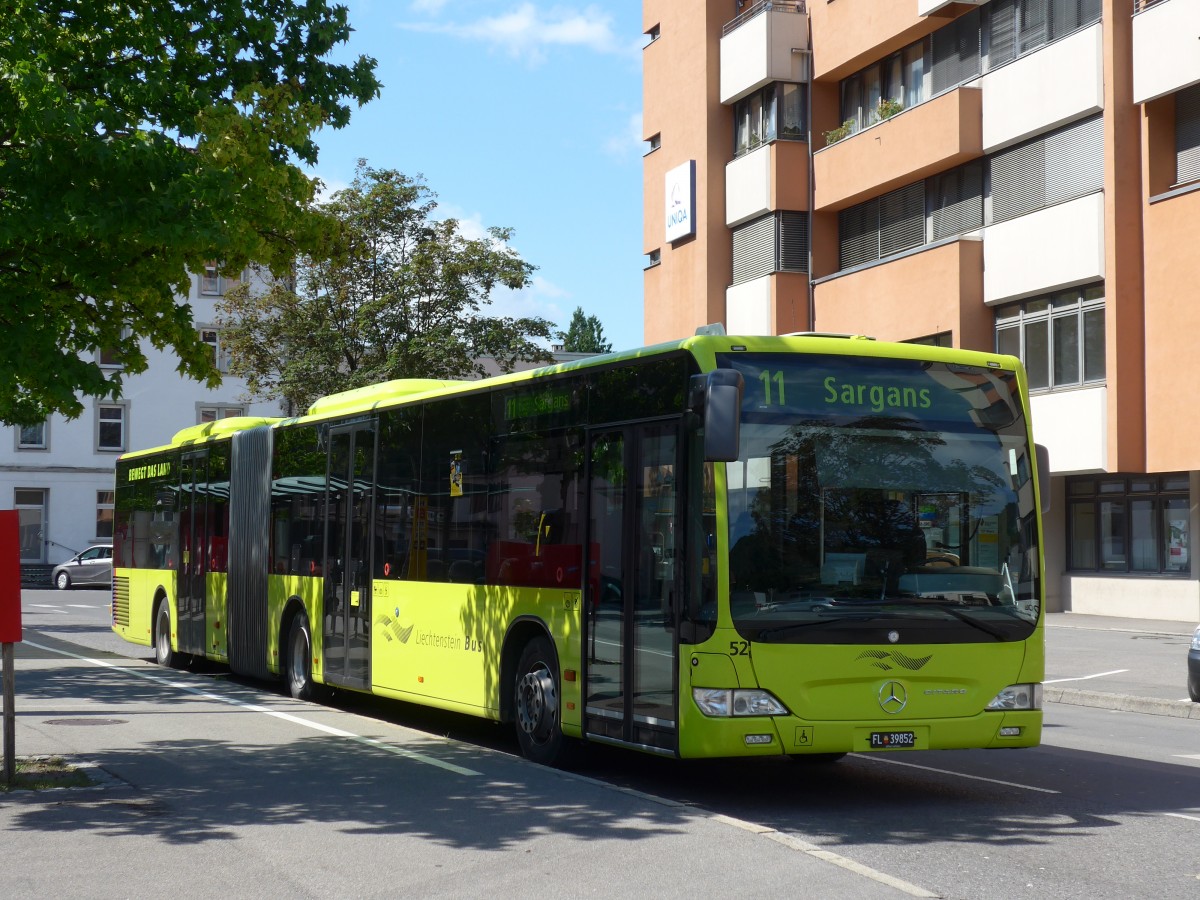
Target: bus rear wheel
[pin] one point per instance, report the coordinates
(164, 655)
(299, 660)
(536, 703)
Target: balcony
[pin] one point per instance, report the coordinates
(772, 177)
(853, 33)
(927, 292)
(1033, 94)
(1056, 247)
(768, 42)
(915, 143)
(946, 8)
(1164, 47)
(1073, 426)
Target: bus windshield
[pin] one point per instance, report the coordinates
(880, 500)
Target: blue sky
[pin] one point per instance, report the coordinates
(519, 114)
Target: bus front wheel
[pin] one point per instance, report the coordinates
(299, 660)
(536, 703)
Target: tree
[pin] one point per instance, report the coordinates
(585, 334)
(395, 294)
(140, 139)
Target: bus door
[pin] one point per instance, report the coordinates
(349, 502)
(633, 582)
(193, 562)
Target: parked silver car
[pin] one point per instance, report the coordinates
(1194, 667)
(92, 566)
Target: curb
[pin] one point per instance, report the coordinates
(1179, 709)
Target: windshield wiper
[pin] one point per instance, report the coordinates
(828, 617)
(955, 613)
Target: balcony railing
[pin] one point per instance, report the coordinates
(1140, 5)
(753, 9)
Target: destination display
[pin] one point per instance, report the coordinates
(820, 386)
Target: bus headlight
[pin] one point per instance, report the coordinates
(1018, 696)
(722, 702)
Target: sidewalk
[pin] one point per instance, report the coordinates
(1117, 663)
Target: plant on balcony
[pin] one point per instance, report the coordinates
(842, 131)
(888, 108)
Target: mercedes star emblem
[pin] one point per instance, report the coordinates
(893, 697)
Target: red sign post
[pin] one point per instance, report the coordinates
(10, 629)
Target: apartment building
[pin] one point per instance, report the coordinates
(1021, 176)
(59, 475)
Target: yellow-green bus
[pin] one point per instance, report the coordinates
(723, 546)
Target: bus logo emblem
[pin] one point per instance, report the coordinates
(893, 697)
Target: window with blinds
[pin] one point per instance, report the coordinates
(777, 242)
(1187, 135)
(882, 227)
(955, 201)
(955, 52)
(1016, 27)
(1050, 169)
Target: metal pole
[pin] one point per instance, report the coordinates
(10, 716)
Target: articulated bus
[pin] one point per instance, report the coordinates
(725, 546)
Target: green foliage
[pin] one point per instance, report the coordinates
(394, 294)
(888, 107)
(837, 134)
(138, 140)
(585, 334)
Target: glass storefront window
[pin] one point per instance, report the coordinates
(1129, 524)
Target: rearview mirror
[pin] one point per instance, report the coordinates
(717, 399)
(1043, 473)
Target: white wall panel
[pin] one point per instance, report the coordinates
(1056, 247)
(1051, 86)
(748, 186)
(1166, 49)
(1073, 426)
(748, 307)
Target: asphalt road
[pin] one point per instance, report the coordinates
(217, 787)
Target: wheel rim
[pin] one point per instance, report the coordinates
(163, 637)
(537, 702)
(298, 658)
(63, 581)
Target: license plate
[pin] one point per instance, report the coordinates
(888, 740)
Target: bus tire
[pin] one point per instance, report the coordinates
(299, 660)
(536, 696)
(164, 655)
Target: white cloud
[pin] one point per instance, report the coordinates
(541, 298)
(328, 187)
(429, 7)
(629, 141)
(527, 32)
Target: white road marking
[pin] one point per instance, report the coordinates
(1084, 677)
(287, 717)
(1182, 816)
(1187, 756)
(874, 757)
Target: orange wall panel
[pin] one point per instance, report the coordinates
(914, 144)
(849, 34)
(1172, 322)
(789, 175)
(914, 296)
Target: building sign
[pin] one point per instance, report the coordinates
(681, 201)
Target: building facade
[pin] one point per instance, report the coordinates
(59, 475)
(1020, 176)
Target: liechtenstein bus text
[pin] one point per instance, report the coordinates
(554, 549)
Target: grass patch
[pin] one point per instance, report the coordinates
(40, 773)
